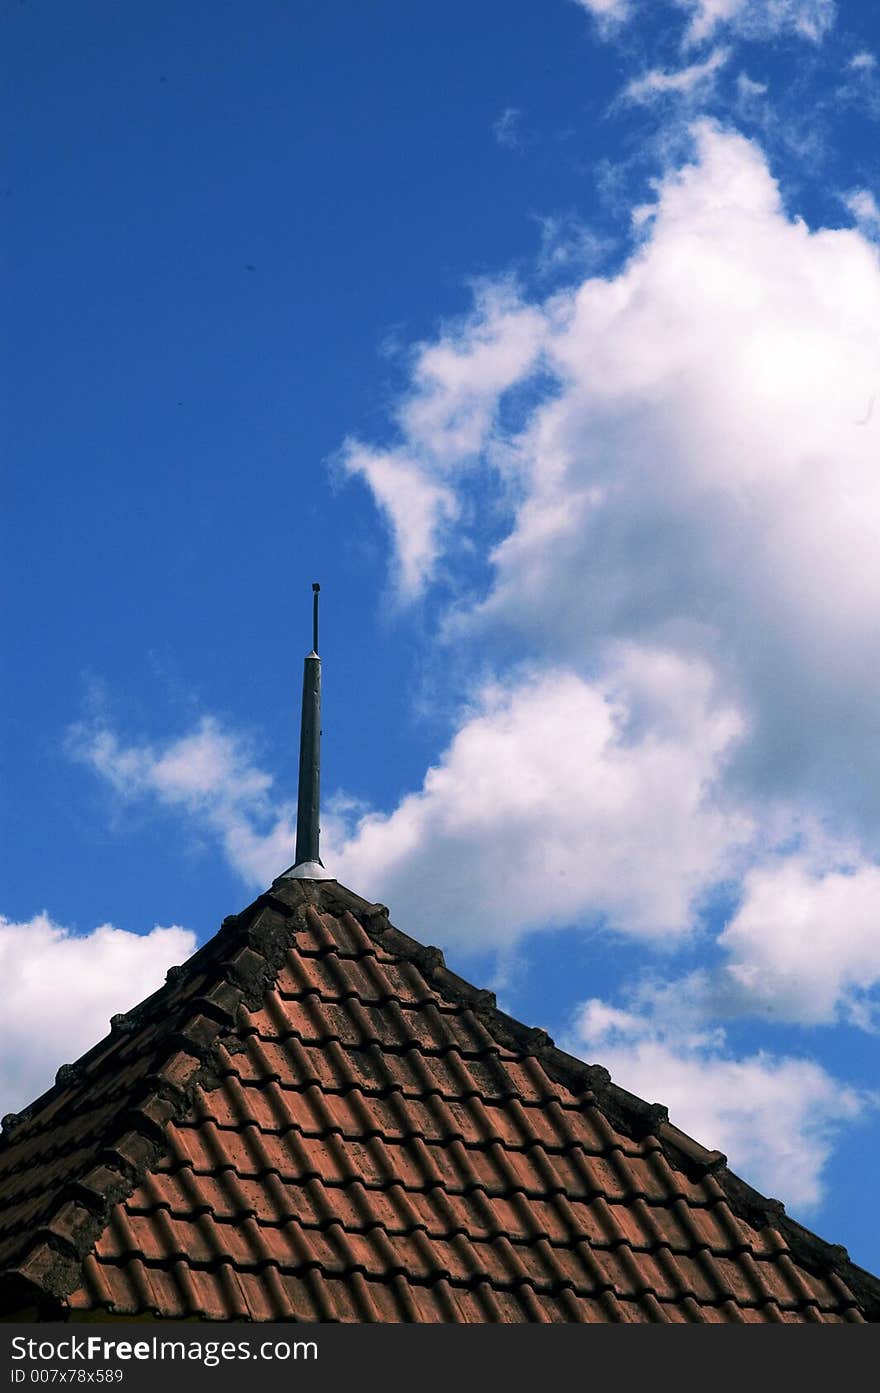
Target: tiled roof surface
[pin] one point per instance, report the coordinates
(316, 1120)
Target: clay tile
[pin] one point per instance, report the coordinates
(316, 1119)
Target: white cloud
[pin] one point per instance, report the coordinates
(196, 769)
(692, 512)
(776, 1119)
(809, 19)
(860, 88)
(558, 800)
(748, 89)
(416, 508)
(506, 128)
(685, 82)
(804, 943)
(568, 245)
(459, 379)
(801, 946)
(693, 503)
(607, 11)
(694, 477)
(207, 775)
(699, 478)
(750, 19)
(60, 989)
(863, 206)
(445, 421)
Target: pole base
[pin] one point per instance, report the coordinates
(307, 870)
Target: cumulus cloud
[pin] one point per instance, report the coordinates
(195, 770)
(684, 82)
(775, 1118)
(695, 475)
(560, 800)
(804, 944)
(691, 505)
(209, 776)
(61, 988)
(863, 61)
(800, 949)
(557, 800)
(692, 480)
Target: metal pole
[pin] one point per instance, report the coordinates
(308, 810)
(309, 801)
(307, 863)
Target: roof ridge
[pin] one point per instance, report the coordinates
(128, 1021)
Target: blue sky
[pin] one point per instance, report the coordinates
(544, 336)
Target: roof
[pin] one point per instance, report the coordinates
(315, 1119)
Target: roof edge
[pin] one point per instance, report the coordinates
(244, 956)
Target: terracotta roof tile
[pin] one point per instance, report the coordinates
(315, 1119)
